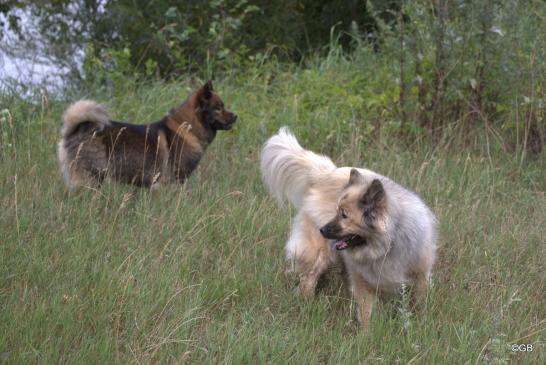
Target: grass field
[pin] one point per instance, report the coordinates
(195, 274)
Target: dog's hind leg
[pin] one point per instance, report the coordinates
(420, 280)
(310, 275)
(419, 287)
(309, 251)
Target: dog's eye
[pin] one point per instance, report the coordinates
(343, 214)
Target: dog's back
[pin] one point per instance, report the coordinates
(288, 169)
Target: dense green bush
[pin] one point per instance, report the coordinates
(416, 67)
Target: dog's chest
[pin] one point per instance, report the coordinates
(383, 274)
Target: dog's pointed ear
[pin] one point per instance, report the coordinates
(356, 177)
(207, 90)
(204, 94)
(374, 197)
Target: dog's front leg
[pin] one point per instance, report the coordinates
(364, 297)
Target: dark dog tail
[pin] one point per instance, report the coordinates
(288, 169)
(84, 111)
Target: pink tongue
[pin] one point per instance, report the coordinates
(340, 245)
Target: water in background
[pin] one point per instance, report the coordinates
(32, 73)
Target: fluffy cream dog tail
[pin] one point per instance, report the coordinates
(288, 170)
(84, 111)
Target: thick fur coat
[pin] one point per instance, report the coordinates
(383, 233)
(93, 147)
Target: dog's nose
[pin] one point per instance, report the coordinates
(323, 231)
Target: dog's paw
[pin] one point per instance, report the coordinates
(354, 327)
(307, 292)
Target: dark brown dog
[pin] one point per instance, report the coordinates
(93, 148)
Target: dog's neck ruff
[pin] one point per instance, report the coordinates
(187, 130)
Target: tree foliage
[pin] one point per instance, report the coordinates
(181, 36)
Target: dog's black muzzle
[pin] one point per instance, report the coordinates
(224, 125)
(327, 232)
(227, 126)
(341, 242)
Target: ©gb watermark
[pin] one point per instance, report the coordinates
(522, 347)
